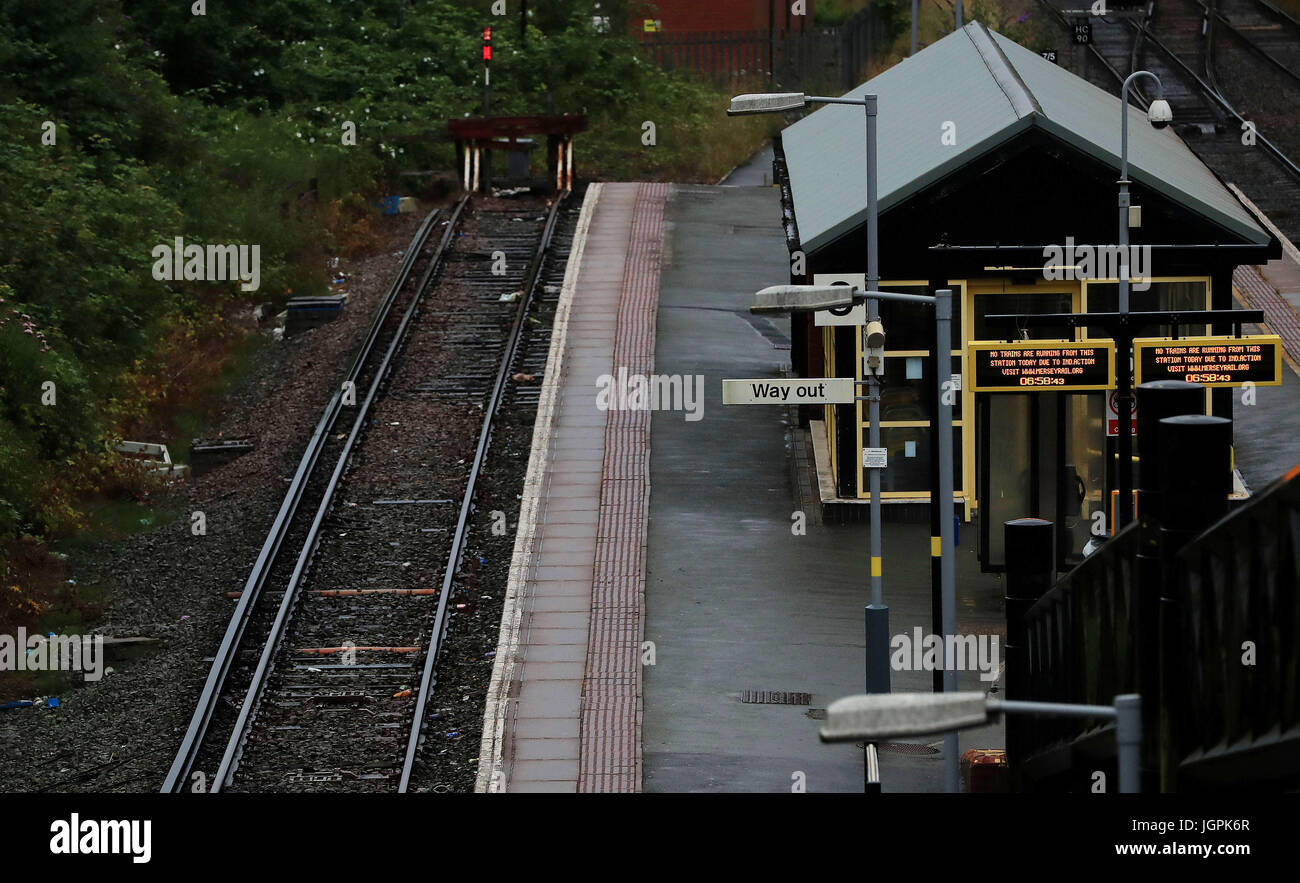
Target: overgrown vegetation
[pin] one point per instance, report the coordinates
(132, 122)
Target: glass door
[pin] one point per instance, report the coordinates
(1039, 456)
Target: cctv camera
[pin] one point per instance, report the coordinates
(1159, 113)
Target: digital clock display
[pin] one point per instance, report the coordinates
(1210, 361)
(1027, 366)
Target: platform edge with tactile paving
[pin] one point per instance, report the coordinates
(565, 705)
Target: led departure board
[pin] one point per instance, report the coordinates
(1210, 361)
(1049, 366)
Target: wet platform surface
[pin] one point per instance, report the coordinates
(734, 600)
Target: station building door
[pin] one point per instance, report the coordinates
(1039, 455)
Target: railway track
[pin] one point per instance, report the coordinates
(1265, 29)
(1176, 41)
(324, 679)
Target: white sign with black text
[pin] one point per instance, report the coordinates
(803, 391)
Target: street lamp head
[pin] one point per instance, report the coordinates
(885, 715)
(1159, 113)
(801, 298)
(766, 102)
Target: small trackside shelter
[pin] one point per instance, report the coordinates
(477, 137)
(997, 178)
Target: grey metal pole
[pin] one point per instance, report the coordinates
(877, 614)
(914, 5)
(1126, 712)
(873, 314)
(1124, 393)
(959, 23)
(1128, 737)
(947, 572)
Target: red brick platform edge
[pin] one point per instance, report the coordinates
(611, 694)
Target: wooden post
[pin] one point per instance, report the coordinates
(568, 159)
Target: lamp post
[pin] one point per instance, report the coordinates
(914, 11)
(1159, 115)
(811, 298)
(876, 613)
(873, 718)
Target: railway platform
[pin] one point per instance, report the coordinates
(665, 629)
(1267, 431)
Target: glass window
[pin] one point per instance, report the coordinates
(909, 459)
(1103, 297)
(1033, 302)
(905, 393)
(910, 326)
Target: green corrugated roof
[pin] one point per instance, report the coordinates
(992, 89)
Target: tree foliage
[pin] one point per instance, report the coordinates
(132, 122)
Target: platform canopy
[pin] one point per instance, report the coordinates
(992, 90)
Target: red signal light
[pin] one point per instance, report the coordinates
(487, 44)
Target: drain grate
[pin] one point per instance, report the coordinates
(907, 748)
(774, 697)
(817, 714)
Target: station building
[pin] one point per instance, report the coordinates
(991, 161)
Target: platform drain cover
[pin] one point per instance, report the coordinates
(775, 697)
(906, 748)
(817, 714)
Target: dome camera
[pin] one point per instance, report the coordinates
(1159, 113)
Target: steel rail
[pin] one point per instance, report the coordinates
(429, 677)
(182, 766)
(253, 695)
(1142, 31)
(1250, 44)
(1278, 11)
(1209, 91)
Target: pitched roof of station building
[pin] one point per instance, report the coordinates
(993, 90)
